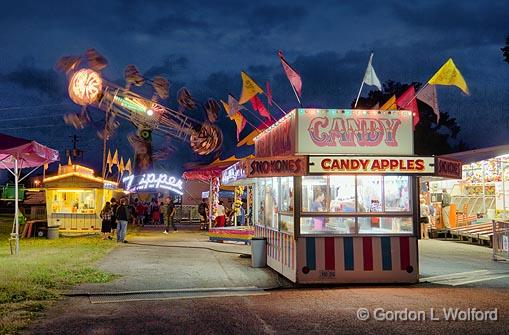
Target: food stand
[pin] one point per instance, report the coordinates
(75, 198)
(336, 195)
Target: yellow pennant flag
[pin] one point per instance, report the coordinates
(114, 160)
(449, 74)
(389, 104)
(249, 88)
(128, 167)
(109, 161)
(121, 165)
(69, 162)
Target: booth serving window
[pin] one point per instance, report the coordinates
(356, 205)
(274, 203)
(73, 201)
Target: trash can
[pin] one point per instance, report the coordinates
(258, 252)
(53, 232)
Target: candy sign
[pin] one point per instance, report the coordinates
(331, 131)
(371, 164)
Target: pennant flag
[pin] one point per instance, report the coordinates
(370, 77)
(258, 106)
(428, 95)
(448, 75)
(268, 91)
(249, 88)
(114, 160)
(233, 109)
(407, 101)
(291, 74)
(128, 167)
(69, 162)
(109, 161)
(121, 165)
(376, 106)
(389, 104)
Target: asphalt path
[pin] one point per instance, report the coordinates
(198, 287)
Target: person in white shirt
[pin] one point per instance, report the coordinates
(424, 219)
(221, 215)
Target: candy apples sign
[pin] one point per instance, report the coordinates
(372, 164)
(330, 131)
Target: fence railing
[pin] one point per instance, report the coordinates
(500, 240)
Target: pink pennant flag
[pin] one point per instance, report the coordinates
(407, 101)
(269, 94)
(291, 74)
(258, 106)
(428, 95)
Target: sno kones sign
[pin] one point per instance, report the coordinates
(339, 131)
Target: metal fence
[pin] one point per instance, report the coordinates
(500, 240)
(187, 214)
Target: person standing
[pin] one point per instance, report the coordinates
(106, 214)
(123, 215)
(241, 217)
(446, 205)
(140, 212)
(114, 206)
(424, 219)
(221, 215)
(169, 216)
(203, 210)
(155, 212)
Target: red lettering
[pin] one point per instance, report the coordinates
(394, 164)
(384, 164)
(419, 165)
(326, 163)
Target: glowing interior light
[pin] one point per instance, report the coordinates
(85, 87)
(150, 112)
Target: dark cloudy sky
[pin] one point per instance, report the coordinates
(205, 44)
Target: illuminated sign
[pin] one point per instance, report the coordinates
(277, 166)
(153, 181)
(448, 168)
(278, 139)
(344, 131)
(233, 173)
(371, 164)
(130, 104)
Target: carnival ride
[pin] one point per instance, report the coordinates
(88, 88)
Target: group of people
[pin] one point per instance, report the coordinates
(116, 215)
(224, 217)
(427, 213)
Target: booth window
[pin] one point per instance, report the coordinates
(353, 205)
(73, 201)
(274, 203)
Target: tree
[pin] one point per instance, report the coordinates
(505, 50)
(430, 138)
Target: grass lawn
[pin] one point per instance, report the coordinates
(42, 272)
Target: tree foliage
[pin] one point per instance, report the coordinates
(430, 138)
(505, 50)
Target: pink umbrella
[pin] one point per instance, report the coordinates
(18, 153)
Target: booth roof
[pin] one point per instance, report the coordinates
(476, 155)
(28, 152)
(214, 169)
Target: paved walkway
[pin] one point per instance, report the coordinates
(183, 260)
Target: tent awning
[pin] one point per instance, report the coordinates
(28, 153)
(477, 155)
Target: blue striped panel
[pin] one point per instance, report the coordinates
(348, 253)
(310, 253)
(386, 254)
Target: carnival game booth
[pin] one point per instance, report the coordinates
(478, 196)
(75, 198)
(336, 195)
(235, 176)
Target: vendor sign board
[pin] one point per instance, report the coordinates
(448, 168)
(233, 173)
(372, 164)
(278, 139)
(354, 132)
(276, 166)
